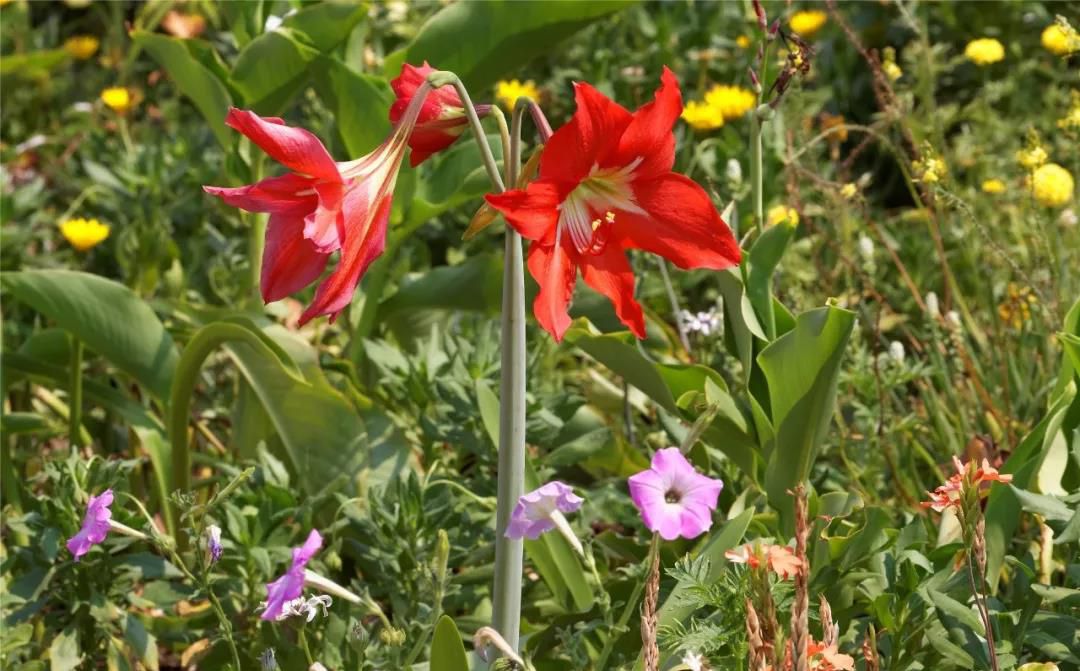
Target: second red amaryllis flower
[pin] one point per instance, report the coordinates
(321, 207)
(606, 186)
(442, 117)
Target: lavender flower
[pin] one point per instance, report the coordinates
(95, 525)
(213, 542)
(289, 586)
(673, 498)
(535, 512)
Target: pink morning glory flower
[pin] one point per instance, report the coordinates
(289, 586)
(95, 525)
(541, 510)
(673, 498)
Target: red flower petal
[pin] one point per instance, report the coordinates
(683, 226)
(405, 85)
(610, 274)
(290, 261)
(555, 272)
(325, 227)
(533, 212)
(649, 136)
(360, 249)
(589, 138)
(295, 148)
(269, 195)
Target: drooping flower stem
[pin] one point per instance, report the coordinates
(75, 394)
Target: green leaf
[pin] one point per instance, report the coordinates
(447, 650)
(274, 66)
(141, 642)
(359, 104)
(482, 41)
(674, 609)
(193, 79)
(801, 368)
(765, 255)
(1050, 507)
(32, 65)
(453, 177)
(106, 316)
(64, 653)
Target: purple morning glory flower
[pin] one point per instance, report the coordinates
(213, 542)
(289, 586)
(674, 499)
(95, 525)
(535, 512)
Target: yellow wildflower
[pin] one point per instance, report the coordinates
(930, 170)
(702, 116)
(117, 98)
(1052, 185)
(993, 186)
(1015, 308)
(731, 101)
(1060, 39)
(1032, 157)
(782, 214)
(889, 66)
(849, 190)
(742, 41)
(831, 121)
(807, 23)
(81, 46)
(1072, 119)
(508, 92)
(84, 234)
(984, 51)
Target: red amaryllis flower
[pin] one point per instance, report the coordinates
(319, 208)
(606, 186)
(442, 118)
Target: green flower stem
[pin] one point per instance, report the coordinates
(676, 309)
(755, 172)
(75, 394)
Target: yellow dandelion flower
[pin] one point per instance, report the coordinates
(81, 47)
(1061, 39)
(742, 41)
(732, 101)
(807, 23)
(1052, 185)
(508, 92)
(993, 186)
(1032, 157)
(1072, 118)
(782, 214)
(117, 98)
(702, 116)
(849, 190)
(930, 170)
(84, 234)
(889, 66)
(984, 51)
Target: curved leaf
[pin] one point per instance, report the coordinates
(801, 368)
(107, 317)
(447, 650)
(481, 41)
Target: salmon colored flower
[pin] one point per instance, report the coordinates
(828, 657)
(968, 477)
(606, 186)
(776, 558)
(319, 208)
(442, 117)
(673, 498)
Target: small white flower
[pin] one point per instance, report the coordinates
(933, 308)
(306, 608)
(694, 662)
(953, 318)
(866, 248)
(272, 23)
(733, 170)
(896, 351)
(213, 542)
(83, 107)
(1068, 217)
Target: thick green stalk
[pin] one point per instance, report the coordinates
(755, 171)
(75, 394)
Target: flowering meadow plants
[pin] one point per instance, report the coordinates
(298, 372)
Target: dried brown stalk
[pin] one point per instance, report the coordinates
(800, 610)
(650, 650)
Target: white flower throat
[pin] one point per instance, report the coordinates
(589, 210)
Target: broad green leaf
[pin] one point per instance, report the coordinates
(206, 91)
(447, 650)
(141, 642)
(106, 316)
(482, 41)
(64, 653)
(1050, 507)
(359, 104)
(453, 177)
(274, 66)
(801, 368)
(764, 256)
(33, 65)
